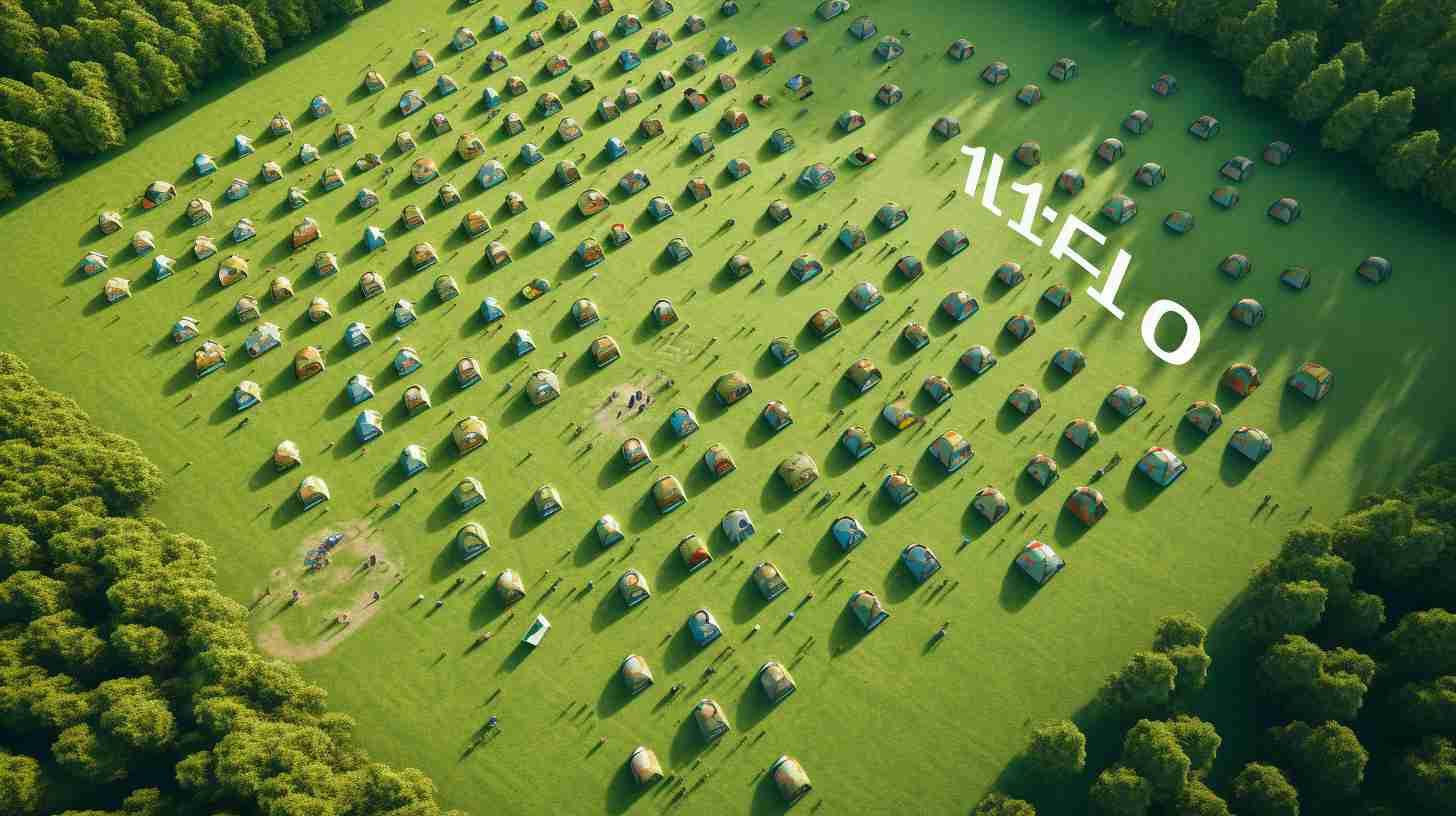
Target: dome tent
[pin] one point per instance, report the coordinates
(889, 94)
(868, 610)
(703, 627)
(1082, 433)
(857, 442)
(782, 350)
(1125, 400)
(920, 561)
(1021, 326)
(1110, 150)
(1043, 470)
(368, 425)
(286, 456)
(469, 433)
(1204, 127)
(1039, 562)
(1071, 181)
(633, 588)
(891, 215)
(1241, 378)
(1236, 266)
(937, 388)
(865, 296)
(719, 461)
(898, 488)
(1247, 311)
(1224, 196)
(798, 472)
(1024, 399)
(952, 242)
(847, 532)
(1165, 85)
(776, 416)
(1278, 153)
(1064, 69)
(1150, 174)
(978, 359)
(694, 552)
(468, 493)
(1028, 154)
(1238, 168)
(1030, 94)
(311, 491)
(816, 177)
(608, 531)
(1070, 360)
(862, 28)
(1204, 415)
(1119, 209)
(951, 450)
(1286, 210)
(1375, 269)
(863, 375)
(961, 50)
(1179, 222)
(547, 501)
(996, 73)
(732, 387)
(1312, 380)
(1087, 504)
(909, 267)
(947, 127)
(1252, 442)
(635, 674)
(509, 587)
(773, 678)
(1162, 466)
(897, 414)
(1137, 123)
(991, 504)
(1296, 277)
(737, 527)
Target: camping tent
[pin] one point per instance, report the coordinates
(664, 313)
(1241, 378)
(789, 775)
(1030, 94)
(542, 386)
(1110, 150)
(694, 552)
(416, 399)
(719, 461)
(683, 422)
(509, 587)
(1286, 210)
(909, 267)
(1137, 123)
(469, 434)
(359, 388)
(1069, 360)
(1238, 168)
(829, 9)
(1119, 209)
(262, 340)
(991, 504)
(847, 532)
(308, 361)
(635, 674)
(889, 94)
(795, 36)
(369, 424)
(899, 489)
(1043, 469)
(703, 627)
(1277, 153)
(311, 491)
(1375, 269)
(857, 441)
(1022, 326)
(1065, 68)
(776, 416)
(862, 28)
(609, 531)
(412, 460)
(737, 527)
(868, 610)
(850, 121)
(1082, 433)
(1125, 400)
(1086, 504)
(798, 471)
(471, 541)
(732, 387)
(920, 561)
(184, 329)
(865, 296)
(1204, 127)
(937, 388)
(246, 394)
(915, 335)
(604, 351)
(356, 336)
(996, 73)
(1040, 562)
(782, 350)
(1028, 154)
(1161, 465)
(209, 357)
(961, 50)
(547, 501)
(246, 309)
(951, 450)
(1204, 415)
(1224, 196)
(1150, 174)
(1024, 399)
(1236, 265)
(286, 455)
(825, 323)
(804, 267)
(952, 242)
(1165, 85)
(117, 289)
(157, 194)
(469, 493)
(407, 361)
(203, 164)
(374, 82)
(946, 127)
(1248, 312)
(633, 588)
(108, 222)
(403, 313)
(816, 176)
(978, 359)
(421, 61)
(1312, 380)
(1296, 277)
(1071, 181)
(959, 305)
(521, 343)
(863, 375)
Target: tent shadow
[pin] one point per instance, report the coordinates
(671, 572)
(1108, 419)
(445, 563)
(1009, 419)
(747, 603)
(753, 706)
(517, 656)
(680, 650)
(1026, 488)
(1234, 467)
(847, 633)
(614, 697)
(265, 475)
(1017, 590)
(525, 520)
(881, 508)
(608, 610)
(687, 743)
(443, 513)
(644, 515)
(1187, 439)
(587, 549)
(1141, 491)
(758, 434)
(838, 461)
(1068, 529)
(624, 792)
(1053, 377)
(898, 583)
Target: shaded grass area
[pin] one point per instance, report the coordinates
(866, 701)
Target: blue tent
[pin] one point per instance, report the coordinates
(725, 46)
(492, 98)
(204, 164)
(413, 459)
(359, 388)
(848, 533)
(356, 336)
(629, 59)
(368, 425)
(243, 145)
(615, 148)
(374, 238)
(490, 174)
(816, 176)
(491, 311)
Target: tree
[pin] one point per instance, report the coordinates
(82, 753)
(1386, 541)
(1440, 186)
(91, 79)
(1285, 609)
(18, 551)
(1143, 687)
(21, 103)
(1253, 34)
(1141, 13)
(145, 649)
(1392, 121)
(1357, 620)
(1425, 773)
(1196, 18)
(1403, 167)
(28, 153)
(1199, 740)
(999, 804)
(29, 594)
(20, 785)
(1119, 791)
(1327, 760)
(1058, 748)
(1152, 751)
(1269, 72)
(1261, 790)
(79, 124)
(21, 53)
(1345, 129)
(163, 76)
(1317, 94)
(1198, 800)
(134, 714)
(7, 184)
(1352, 55)
(1304, 55)
(1320, 685)
(1423, 644)
(1182, 629)
(1310, 15)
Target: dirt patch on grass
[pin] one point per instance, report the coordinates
(334, 601)
(613, 411)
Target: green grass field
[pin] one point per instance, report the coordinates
(884, 718)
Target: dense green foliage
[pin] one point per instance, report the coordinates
(1378, 77)
(128, 683)
(75, 74)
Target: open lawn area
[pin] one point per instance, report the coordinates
(886, 717)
